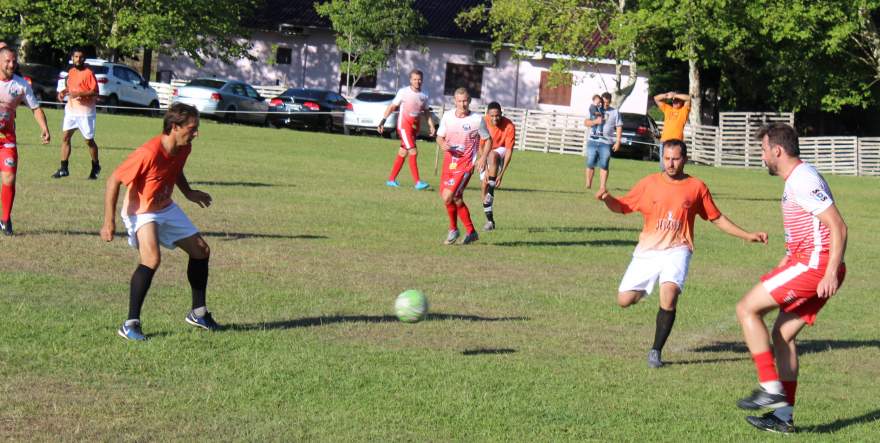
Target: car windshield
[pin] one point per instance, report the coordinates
(207, 83)
(313, 94)
(374, 97)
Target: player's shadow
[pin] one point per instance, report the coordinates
(308, 322)
(528, 243)
(737, 197)
(837, 425)
(548, 191)
(214, 234)
(703, 361)
(804, 346)
(241, 184)
(488, 351)
(578, 229)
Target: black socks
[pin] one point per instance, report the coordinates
(665, 320)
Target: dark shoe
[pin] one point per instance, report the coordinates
(61, 173)
(470, 238)
(762, 399)
(131, 333)
(6, 227)
(771, 423)
(95, 171)
(654, 361)
(207, 322)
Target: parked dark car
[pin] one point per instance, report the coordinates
(43, 79)
(312, 108)
(640, 138)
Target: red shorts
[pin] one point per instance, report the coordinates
(8, 160)
(407, 133)
(793, 285)
(455, 180)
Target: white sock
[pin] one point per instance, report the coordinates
(773, 387)
(785, 413)
(200, 312)
(131, 322)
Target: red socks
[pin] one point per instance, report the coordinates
(451, 210)
(413, 167)
(790, 389)
(398, 163)
(766, 367)
(7, 196)
(465, 215)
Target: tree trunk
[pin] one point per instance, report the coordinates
(348, 66)
(694, 92)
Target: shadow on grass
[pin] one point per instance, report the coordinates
(244, 184)
(484, 351)
(549, 191)
(737, 197)
(213, 234)
(308, 322)
(831, 428)
(579, 229)
(567, 243)
(704, 361)
(804, 347)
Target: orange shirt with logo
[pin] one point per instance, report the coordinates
(502, 135)
(669, 208)
(150, 175)
(81, 81)
(674, 121)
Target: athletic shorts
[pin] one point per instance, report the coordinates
(793, 285)
(646, 268)
(85, 124)
(172, 225)
(500, 151)
(9, 160)
(407, 134)
(598, 154)
(455, 180)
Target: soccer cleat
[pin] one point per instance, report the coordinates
(489, 226)
(206, 322)
(95, 171)
(392, 184)
(132, 332)
(771, 423)
(61, 172)
(654, 361)
(421, 186)
(470, 238)
(452, 237)
(6, 227)
(762, 399)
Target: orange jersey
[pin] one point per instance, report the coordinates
(674, 121)
(503, 135)
(669, 208)
(81, 81)
(150, 174)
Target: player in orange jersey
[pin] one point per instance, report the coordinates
(503, 138)
(669, 202)
(81, 92)
(152, 218)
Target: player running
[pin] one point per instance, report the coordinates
(13, 90)
(464, 138)
(669, 202)
(503, 138)
(412, 103)
(152, 218)
(810, 273)
(82, 93)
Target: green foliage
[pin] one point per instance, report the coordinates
(368, 32)
(199, 29)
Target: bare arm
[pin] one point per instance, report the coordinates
(431, 129)
(111, 196)
(203, 199)
(391, 108)
(610, 202)
(683, 97)
(483, 156)
(616, 146)
(441, 142)
(660, 99)
(40, 116)
(728, 227)
(508, 155)
(831, 217)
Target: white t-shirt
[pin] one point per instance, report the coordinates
(12, 93)
(463, 134)
(806, 195)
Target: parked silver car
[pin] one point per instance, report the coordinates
(366, 111)
(226, 100)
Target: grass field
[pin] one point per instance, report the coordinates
(309, 249)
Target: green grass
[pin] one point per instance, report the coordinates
(309, 250)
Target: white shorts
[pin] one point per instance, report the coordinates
(171, 225)
(646, 268)
(500, 151)
(85, 124)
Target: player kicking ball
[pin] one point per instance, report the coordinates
(669, 202)
(464, 138)
(153, 219)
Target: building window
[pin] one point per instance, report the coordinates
(283, 56)
(559, 95)
(469, 77)
(366, 81)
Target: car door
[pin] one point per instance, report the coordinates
(256, 104)
(338, 104)
(140, 94)
(238, 100)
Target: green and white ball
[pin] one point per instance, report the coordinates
(411, 306)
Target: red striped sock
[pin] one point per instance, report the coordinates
(790, 390)
(451, 210)
(465, 215)
(414, 167)
(766, 367)
(7, 196)
(398, 163)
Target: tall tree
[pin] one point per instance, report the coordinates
(368, 32)
(199, 29)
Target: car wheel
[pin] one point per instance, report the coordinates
(154, 109)
(112, 103)
(346, 130)
(229, 115)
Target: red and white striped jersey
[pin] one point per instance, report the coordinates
(806, 195)
(411, 104)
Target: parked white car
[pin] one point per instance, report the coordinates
(118, 85)
(365, 112)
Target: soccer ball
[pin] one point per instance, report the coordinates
(411, 306)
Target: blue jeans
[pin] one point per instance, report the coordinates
(598, 154)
